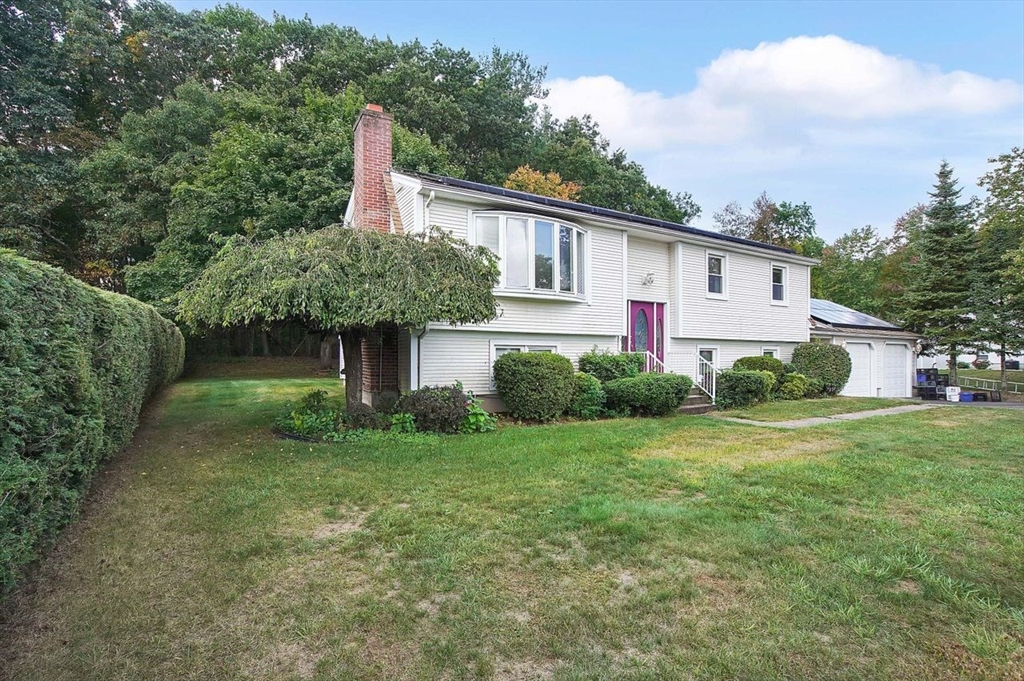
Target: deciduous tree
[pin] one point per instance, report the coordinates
(344, 281)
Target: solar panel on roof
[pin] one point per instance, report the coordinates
(839, 315)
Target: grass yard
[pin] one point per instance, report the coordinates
(805, 409)
(682, 547)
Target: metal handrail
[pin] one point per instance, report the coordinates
(995, 383)
(652, 363)
(706, 376)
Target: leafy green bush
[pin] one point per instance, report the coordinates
(793, 387)
(647, 394)
(608, 366)
(436, 409)
(477, 419)
(759, 363)
(788, 368)
(536, 386)
(588, 397)
(364, 417)
(740, 388)
(77, 365)
(314, 416)
(828, 363)
(403, 423)
(963, 365)
(815, 389)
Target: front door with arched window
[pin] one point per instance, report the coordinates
(647, 328)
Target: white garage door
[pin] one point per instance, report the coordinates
(894, 371)
(859, 384)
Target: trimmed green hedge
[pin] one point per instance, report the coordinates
(647, 394)
(827, 363)
(794, 387)
(536, 386)
(76, 365)
(759, 363)
(739, 388)
(588, 397)
(608, 366)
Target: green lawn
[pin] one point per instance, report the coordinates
(683, 547)
(803, 409)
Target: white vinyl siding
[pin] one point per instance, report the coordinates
(747, 312)
(679, 356)
(448, 356)
(648, 259)
(405, 198)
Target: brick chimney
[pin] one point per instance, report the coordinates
(371, 208)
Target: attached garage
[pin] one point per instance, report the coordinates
(860, 383)
(881, 354)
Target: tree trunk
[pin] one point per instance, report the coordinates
(352, 347)
(1002, 368)
(325, 350)
(265, 341)
(952, 366)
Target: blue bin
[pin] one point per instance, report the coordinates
(966, 397)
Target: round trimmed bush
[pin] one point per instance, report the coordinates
(759, 363)
(828, 363)
(535, 386)
(793, 387)
(588, 397)
(608, 366)
(436, 409)
(739, 388)
(648, 394)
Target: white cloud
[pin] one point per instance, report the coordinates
(843, 79)
(744, 94)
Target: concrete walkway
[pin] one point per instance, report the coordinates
(821, 420)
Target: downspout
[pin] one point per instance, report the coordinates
(419, 354)
(426, 211)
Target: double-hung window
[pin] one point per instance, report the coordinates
(716, 267)
(537, 255)
(780, 274)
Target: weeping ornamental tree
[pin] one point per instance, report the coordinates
(344, 281)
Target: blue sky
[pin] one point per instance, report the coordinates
(848, 106)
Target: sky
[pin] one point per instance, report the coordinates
(849, 107)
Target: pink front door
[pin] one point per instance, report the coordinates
(647, 328)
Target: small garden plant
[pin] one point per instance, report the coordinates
(420, 413)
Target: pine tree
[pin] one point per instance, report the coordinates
(1000, 313)
(938, 297)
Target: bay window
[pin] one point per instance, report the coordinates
(536, 255)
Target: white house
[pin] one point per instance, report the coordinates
(573, 278)
(882, 354)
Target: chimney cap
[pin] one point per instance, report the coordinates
(375, 107)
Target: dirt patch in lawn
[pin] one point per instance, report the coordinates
(743, 448)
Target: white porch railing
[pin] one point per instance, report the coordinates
(705, 375)
(652, 363)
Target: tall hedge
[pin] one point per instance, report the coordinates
(76, 365)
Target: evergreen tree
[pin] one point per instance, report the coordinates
(1000, 313)
(938, 296)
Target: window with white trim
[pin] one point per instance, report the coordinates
(536, 255)
(780, 284)
(716, 268)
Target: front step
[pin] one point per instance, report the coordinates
(696, 409)
(697, 402)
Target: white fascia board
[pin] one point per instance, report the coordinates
(662, 233)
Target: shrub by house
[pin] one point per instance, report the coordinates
(78, 363)
(536, 386)
(824, 362)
